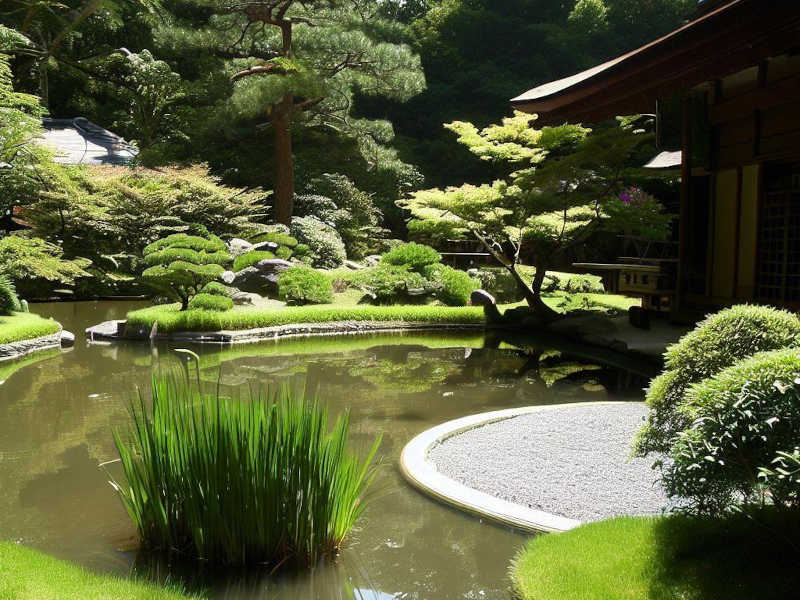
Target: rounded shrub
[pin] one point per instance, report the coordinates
(325, 244)
(278, 237)
(740, 419)
(716, 343)
(213, 302)
(217, 289)
(248, 259)
(304, 285)
(9, 302)
(454, 287)
(412, 255)
(390, 284)
(283, 252)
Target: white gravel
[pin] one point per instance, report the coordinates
(571, 461)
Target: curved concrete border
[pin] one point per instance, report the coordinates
(423, 474)
(18, 349)
(110, 330)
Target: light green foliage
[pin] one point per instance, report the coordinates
(214, 302)
(280, 237)
(180, 265)
(248, 259)
(35, 265)
(505, 290)
(393, 284)
(9, 302)
(718, 342)
(560, 180)
(590, 16)
(453, 287)
(663, 558)
(738, 421)
(325, 244)
(32, 575)
(171, 318)
(234, 482)
(782, 476)
(111, 214)
(283, 252)
(412, 255)
(304, 285)
(25, 326)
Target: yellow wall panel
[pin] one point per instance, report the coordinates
(724, 248)
(748, 232)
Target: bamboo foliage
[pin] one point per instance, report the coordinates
(236, 481)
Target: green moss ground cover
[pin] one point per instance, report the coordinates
(171, 319)
(657, 558)
(26, 574)
(25, 326)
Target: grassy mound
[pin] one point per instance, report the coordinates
(25, 326)
(170, 318)
(664, 558)
(31, 575)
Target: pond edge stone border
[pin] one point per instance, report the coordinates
(20, 348)
(422, 474)
(115, 330)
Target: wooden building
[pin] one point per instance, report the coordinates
(726, 91)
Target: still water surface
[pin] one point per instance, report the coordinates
(57, 412)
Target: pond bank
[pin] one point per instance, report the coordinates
(545, 468)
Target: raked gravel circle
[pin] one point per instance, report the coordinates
(572, 461)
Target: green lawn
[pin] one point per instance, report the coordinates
(25, 326)
(345, 308)
(26, 574)
(662, 558)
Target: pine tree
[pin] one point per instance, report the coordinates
(292, 61)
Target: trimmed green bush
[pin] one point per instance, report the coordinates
(25, 326)
(256, 481)
(390, 284)
(283, 252)
(740, 419)
(180, 265)
(204, 301)
(454, 287)
(304, 285)
(248, 259)
(279, 237)
(324, 242)
(716, 343)
(217, 288)
(412, 255)
(782, 476)
(9, 302)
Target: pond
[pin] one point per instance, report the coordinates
(58, 410)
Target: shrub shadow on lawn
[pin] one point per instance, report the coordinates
(745, 556)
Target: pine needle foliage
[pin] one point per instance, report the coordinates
(234, 481)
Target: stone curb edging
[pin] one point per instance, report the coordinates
(423, 474)
(15, 350)
(102, 331)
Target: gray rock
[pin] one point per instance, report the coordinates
(261, 278)
(269, 246)
(481, 298)
(228, 277)
(245, 299)
(353, 266)
(372, 260)
(67, 338)
(584, 326)
(237, 246)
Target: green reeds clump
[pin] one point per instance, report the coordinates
(235, 481)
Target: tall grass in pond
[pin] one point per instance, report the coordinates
(240, 481)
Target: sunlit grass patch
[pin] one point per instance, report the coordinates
(25, 326)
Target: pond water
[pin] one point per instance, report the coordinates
(58, 410)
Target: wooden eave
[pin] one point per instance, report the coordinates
(728, 39)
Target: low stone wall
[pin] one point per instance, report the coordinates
(116, 330)
(22, 348)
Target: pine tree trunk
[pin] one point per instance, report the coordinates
(284, 167)
(533, 293)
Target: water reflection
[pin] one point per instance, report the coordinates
(57, 414)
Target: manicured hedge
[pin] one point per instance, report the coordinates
(25, 326)
(304, 285)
